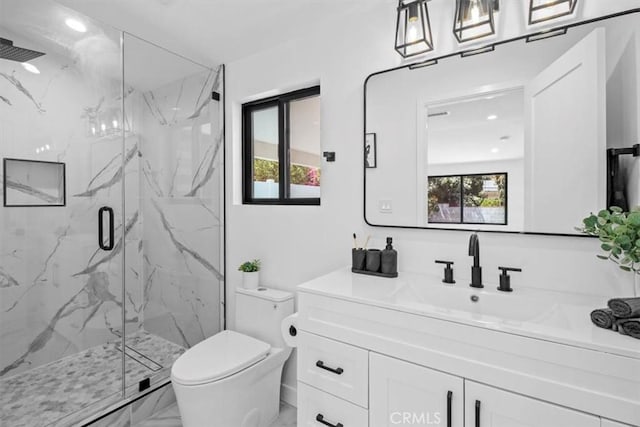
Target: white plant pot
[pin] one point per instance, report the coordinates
(250, 280)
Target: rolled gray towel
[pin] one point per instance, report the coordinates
(603, 318)
(630, 327)
(625, 308)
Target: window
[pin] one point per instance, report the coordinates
(468, 199)
(281, 149)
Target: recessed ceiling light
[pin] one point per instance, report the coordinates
(492, 117)
(76, 25)
(495, 149)
(30, 68)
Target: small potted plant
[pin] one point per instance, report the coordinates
(250, 274)
(619, 234)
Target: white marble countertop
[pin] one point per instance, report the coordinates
(552, 316)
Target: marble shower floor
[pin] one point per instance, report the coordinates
(170, 417)
(45, 395)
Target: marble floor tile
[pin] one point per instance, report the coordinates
(170, 417)
(51, 393)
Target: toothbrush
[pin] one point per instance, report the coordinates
(366, 242)
(355, 241)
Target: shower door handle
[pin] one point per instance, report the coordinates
(109, 245)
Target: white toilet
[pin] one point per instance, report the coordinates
(232, 379)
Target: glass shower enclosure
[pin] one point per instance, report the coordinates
(112, 222)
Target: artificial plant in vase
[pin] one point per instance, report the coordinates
(250, 274)
(619, 234)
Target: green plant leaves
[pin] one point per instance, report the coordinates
(619, 234)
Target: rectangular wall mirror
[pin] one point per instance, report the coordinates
(33, 183)
(525, 138)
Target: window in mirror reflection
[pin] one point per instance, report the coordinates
(468, 199)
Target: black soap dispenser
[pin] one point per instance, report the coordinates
(389, 259)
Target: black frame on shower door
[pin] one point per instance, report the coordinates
(490, 47)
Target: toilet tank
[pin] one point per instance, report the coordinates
(259, 313)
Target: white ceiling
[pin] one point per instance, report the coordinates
(467, 134)
(220, 31)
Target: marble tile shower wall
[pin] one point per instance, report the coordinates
(58, 293)
(181, 155)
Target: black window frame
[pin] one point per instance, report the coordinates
(462, 177)
(282, 102)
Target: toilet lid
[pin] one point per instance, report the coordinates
(217, 357)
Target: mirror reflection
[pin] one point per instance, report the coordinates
(529, 138)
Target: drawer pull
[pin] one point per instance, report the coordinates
(449, 397)
(337, 371)
(477, 413)
(320, 419)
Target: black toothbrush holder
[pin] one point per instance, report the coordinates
(358, 258)
(375, 262)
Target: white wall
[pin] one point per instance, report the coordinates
(297, 243)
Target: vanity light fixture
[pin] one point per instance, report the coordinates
(546, 10)
(413, 28)
(474, 19)
(492, 117)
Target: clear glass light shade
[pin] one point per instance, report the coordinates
(413, 29)
(475, 19)
(546, 10)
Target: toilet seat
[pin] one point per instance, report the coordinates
(218, 357)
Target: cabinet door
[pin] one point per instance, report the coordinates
(402, 393)
(490, 407)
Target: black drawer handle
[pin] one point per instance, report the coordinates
(449, 398)
(337, 371)
(320, 419)
(477, 413)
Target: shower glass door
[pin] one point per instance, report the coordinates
(173, 274)
(61, 286)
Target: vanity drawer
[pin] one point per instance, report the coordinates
(334, 367)
(317, 408)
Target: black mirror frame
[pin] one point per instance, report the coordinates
(530, 37)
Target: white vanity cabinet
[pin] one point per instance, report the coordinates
(402, 393)
(491, 407)
(381, 353)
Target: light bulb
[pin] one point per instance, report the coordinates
(93, 130)
(103, 127)
(115, 123)
(475, 13)
(412, 32)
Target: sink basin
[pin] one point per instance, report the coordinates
(476, 304)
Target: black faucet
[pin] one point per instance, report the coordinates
(476, 270)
